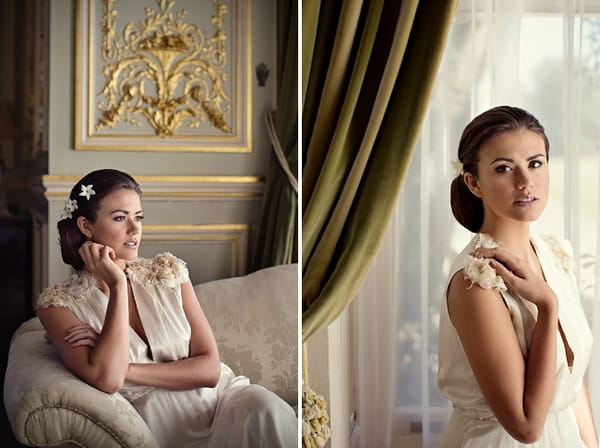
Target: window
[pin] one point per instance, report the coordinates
(543, 56)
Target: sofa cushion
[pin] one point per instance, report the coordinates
(255, 322)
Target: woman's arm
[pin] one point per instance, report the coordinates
(585, 420)
(104, 364)
(201, 369)
(519, 391)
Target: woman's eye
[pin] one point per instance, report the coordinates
(119, 218)
(139, 217)
(535, 163)
(503, 169)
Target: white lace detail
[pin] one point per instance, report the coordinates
(164, 269)
(562, 250)
(478, 270)
(74, 289)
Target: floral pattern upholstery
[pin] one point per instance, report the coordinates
(255, 322)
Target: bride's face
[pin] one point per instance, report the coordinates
(513, 176)
(119, 223)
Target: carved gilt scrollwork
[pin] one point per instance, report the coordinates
(165, 71)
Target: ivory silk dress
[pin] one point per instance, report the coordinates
(235, 413)
(473, 423)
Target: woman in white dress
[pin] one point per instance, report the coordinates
(131, 325)
(514, 342)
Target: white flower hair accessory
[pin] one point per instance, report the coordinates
(478, 270)
(68, 209)
(457, 166)
(86, 191)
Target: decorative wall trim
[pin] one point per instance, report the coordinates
(163, 75)
(173, 186)
(234, 235)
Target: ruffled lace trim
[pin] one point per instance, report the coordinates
(478, 270)
(164, 269)
(74, 289)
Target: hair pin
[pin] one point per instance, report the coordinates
(68, 209)
(457, 166)
(86, 191)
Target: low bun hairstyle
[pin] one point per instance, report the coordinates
(104, 182)
(466, 207)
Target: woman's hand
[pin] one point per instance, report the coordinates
(81, 335)
(518, 277)
(99, 259)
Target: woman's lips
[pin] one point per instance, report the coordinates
(525, 202)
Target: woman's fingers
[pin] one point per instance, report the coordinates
(512, 263)
(90, 253)
(517, 276)
(93, 254)
(111, 252)
(507, 275)
(91, 343)
(81, 335)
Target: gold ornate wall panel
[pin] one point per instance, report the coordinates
(163, 75)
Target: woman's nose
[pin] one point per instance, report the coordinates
(524, 179)
(134, 226)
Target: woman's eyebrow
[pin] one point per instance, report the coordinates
(126, 212)
(501, 159)
(508, 159)
(535, 156)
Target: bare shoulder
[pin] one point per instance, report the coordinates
(483, 323)
(470, 300)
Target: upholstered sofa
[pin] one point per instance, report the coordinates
(254, 319)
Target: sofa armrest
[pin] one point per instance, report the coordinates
(47, 405)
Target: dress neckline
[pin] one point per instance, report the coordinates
(546, 266)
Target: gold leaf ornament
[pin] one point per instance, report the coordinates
(164, 71)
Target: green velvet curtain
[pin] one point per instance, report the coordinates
(368, 68)
(278, 231)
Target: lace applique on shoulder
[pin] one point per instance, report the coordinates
(74, 289)
(562, 250)
(478, 270)
(164, 269)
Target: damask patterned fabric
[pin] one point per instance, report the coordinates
(255, 322)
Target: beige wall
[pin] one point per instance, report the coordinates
(232, 200)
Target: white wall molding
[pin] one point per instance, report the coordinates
(231, 240)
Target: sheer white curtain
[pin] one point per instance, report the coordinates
(543, 56)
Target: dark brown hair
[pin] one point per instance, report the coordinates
(103, 183)
(466, 207)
